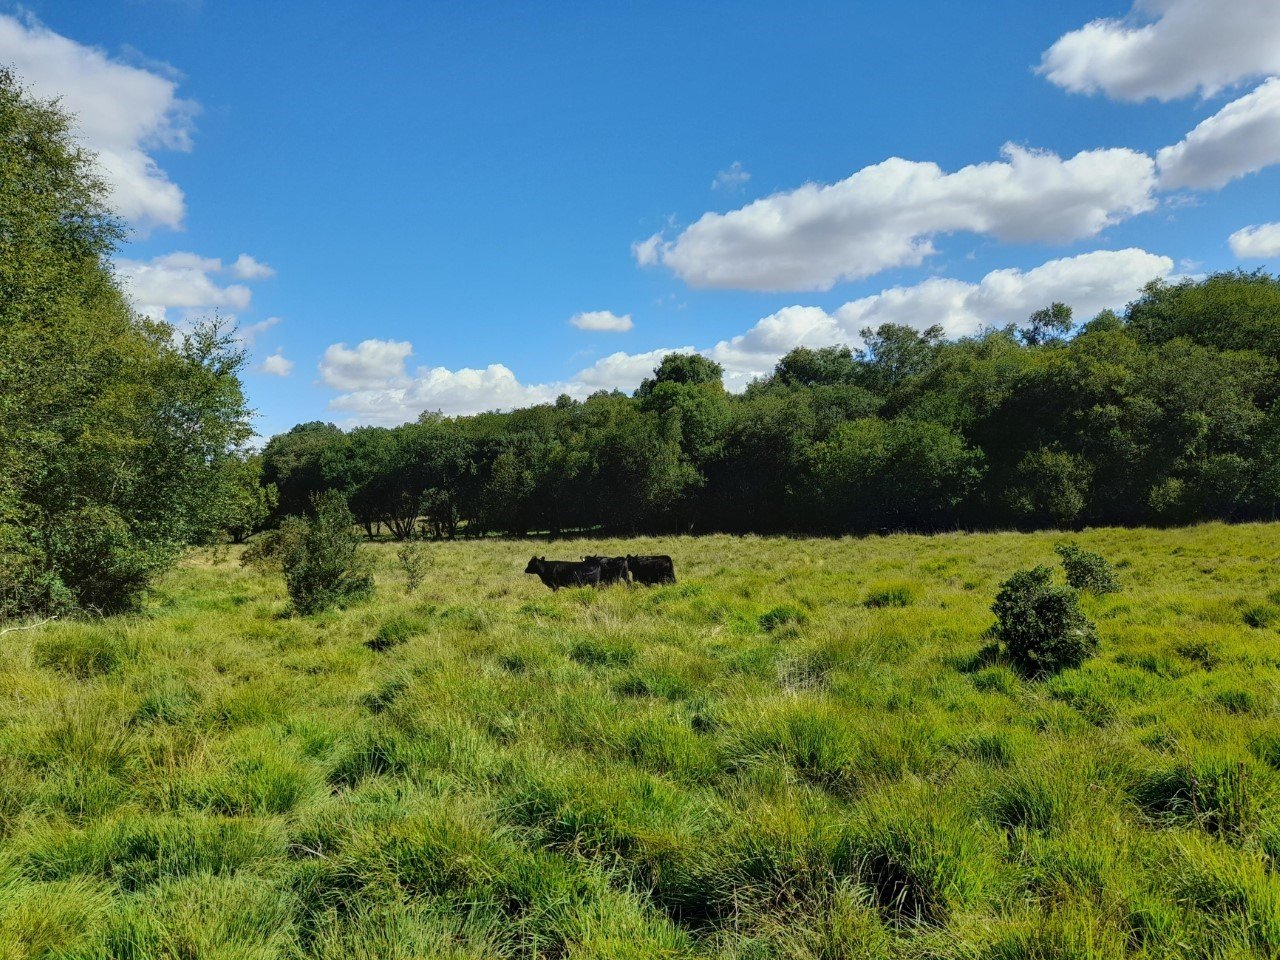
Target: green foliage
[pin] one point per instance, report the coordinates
(114, 433)
(1087, 571)
(320, 557)
(1041, 626)
(415, 561)
(890, 475)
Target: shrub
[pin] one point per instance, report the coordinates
(414, 561)
(1087, 571)
(320, 556)
(1040, 625)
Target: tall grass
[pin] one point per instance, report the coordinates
(802, 750)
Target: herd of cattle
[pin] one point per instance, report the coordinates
(602, 571)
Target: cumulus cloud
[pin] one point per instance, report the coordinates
(122, 112)
(1088, 283)
(372, 364)
(1168, 49)
(887, 215)
(377, 389)
(602, 320)
(619, 371)
(246, 267)
(732, 178)
(277, 365)
(1241, 138)
(1257, 243)
(184, 280)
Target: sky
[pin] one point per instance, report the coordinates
(460, 207)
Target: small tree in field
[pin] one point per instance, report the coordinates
(414, 561)
(320, 556)
(1040, 625)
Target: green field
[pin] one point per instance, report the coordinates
(797, 751)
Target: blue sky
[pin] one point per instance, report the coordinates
(426, 194)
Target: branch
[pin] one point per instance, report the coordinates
(29, 626)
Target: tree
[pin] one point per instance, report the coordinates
(683, 368)
(115, 434)
(893, 353)
(826, 366)
(1047, 325)
(249, 501)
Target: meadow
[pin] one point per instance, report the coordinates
(801, 750)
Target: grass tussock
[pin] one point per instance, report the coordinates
(804, 750)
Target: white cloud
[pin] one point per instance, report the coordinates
(731, 179)
(277, 365)
(619, 371)
(1241, 138)
(1257, 243)
(452, 392)
(648, 251)
(887, 215)
(248, 334)
(247, 268)
(1088, 283)
(377, 389)
(183, 280)
(602, 320)
(122, 112)
(373, 364)
(1168, 49)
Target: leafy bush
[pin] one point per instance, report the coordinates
(320, 556)
(1040, 625)
(1086, 570)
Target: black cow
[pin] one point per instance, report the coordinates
(612, 569)
(564, 573)
(650, 570)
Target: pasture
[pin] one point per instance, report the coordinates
(797, 751)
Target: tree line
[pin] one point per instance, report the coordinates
(1166, 413)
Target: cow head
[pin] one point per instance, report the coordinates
(535, 565)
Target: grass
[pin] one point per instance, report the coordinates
(802, 750)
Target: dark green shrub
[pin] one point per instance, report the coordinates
(1087, 571)
(1040, 625)
(320, 556)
